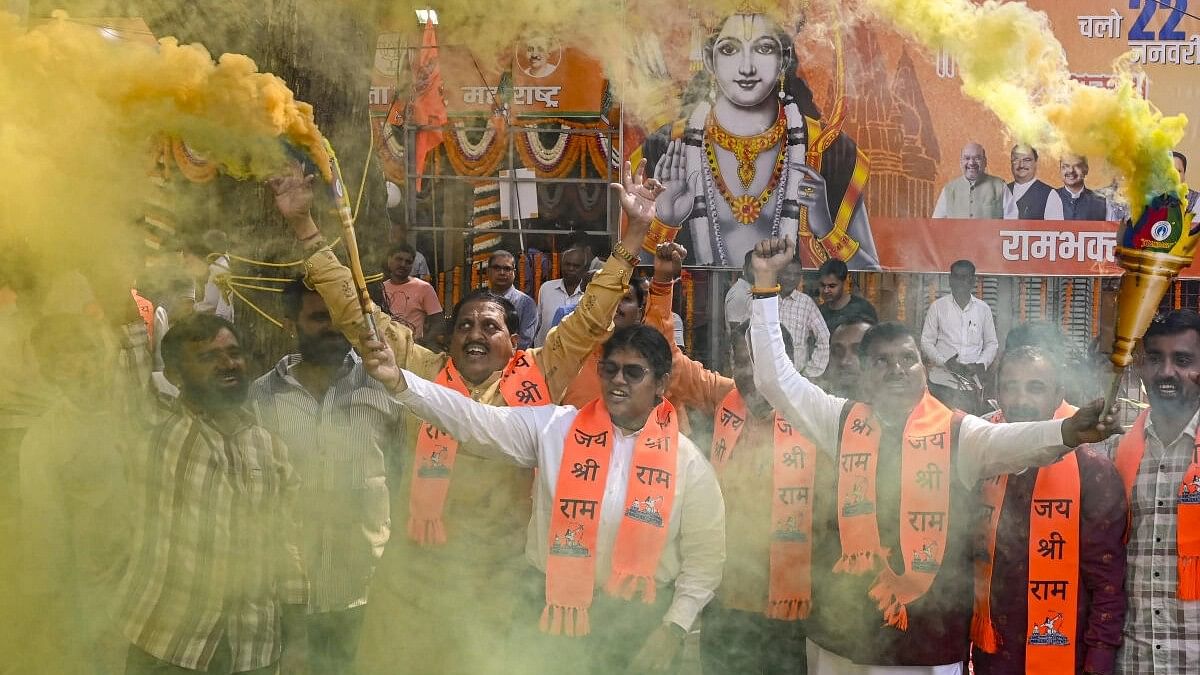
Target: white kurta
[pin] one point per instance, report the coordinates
(984, 450)
(694, 555)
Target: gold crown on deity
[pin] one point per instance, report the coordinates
(791, 14)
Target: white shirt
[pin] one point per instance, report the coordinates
(1054, 207)
(552, 295)
(984, 449)
(949, 330)
(802, 318)
(420, 267)
(737, 302)
(694, 555)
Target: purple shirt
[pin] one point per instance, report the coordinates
(1101, 611)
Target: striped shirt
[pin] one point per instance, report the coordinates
(1162, 634)
(213, 554)
(802, 318)
(340, 446)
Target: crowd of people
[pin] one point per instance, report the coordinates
(523, 493)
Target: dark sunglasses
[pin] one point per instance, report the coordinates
(632, 372)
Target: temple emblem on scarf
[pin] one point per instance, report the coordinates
(568, 543)
(433, 467)
(924, 559)
(787, 530)
(646, 511)
(1047, 633)
(1189, 492)
(855, 503)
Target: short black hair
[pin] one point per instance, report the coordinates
(638, 286)
(1032, 150)
(512, 320)
(963, 263)
(644, 340)
(293, 297)
(1030, 352)
(1043, 334)
(1181, 157)
(198, 327)
(856, 316)
(741, 329)
(401, 247)
(501, 254)
(1173, 322)
(888, 331)
(835, 267)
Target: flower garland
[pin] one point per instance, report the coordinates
(689, 311)
(1068, 294)
(1178, 293)
(554, 269)
(1042, 300)
(1022, 309)
(1095, 309)
(480, 158)
(458, 274)
(539, 259)
(521, 276)
(901, 298)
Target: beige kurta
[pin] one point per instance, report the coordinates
(447, 609)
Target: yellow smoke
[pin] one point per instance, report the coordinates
(1010, 61)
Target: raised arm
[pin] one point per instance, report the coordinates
(569, 343)
(987, 449)
(795, 397)
(329, 277)
(692, 384)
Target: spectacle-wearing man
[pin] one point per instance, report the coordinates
(501, 274)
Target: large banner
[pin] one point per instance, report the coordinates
(858, 142)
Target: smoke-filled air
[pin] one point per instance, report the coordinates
(1010, 61)
(196, 469)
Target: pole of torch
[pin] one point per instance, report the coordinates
(342, 202)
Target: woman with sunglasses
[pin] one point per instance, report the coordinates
(628, 527)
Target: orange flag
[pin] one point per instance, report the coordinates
(428, 104)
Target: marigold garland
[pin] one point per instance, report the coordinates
(1095, 308)
(901, 298)
(1068, 294)
(689, 312)
(1178, 293)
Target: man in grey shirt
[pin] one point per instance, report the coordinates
(341, 428)
(501, 273)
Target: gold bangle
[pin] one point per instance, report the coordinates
(839, 244)
(623, 253)
(770, 290)
(659, 233)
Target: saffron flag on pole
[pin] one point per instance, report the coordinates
(428, 104)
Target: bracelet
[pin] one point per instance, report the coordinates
(765, 292)
(659, 233)
(839, 244)
(623, 253)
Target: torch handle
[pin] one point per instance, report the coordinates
(1114, 388)
(342, 201)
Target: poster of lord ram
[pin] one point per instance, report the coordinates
(832, 123)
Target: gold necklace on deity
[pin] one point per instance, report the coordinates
(746, 149)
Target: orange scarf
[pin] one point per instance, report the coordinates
(1187, 506)
(924, 503)
(575, 524)
(1053, 563)
(792, 472)
(521, 383)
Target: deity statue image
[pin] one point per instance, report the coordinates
(754, 159)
